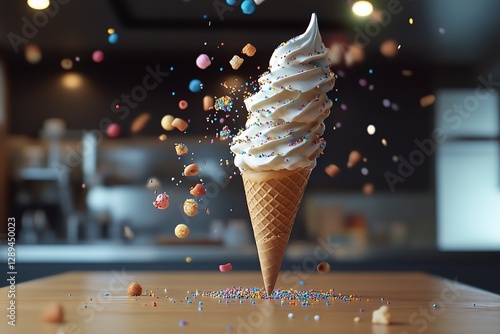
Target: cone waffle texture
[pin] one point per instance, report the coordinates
(273, 198)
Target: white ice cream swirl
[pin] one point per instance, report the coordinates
(285, 121)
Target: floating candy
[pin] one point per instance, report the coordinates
(166, 122)
(248, 7)
(181, 149)
(191, 170)
(203, 61)
(161, 201)
(180, 124)
(113, 130)
(236, 62)
(67, 64)
(249, 50)
(98, 56)
(140, 122)
(113, 38)
(332, 170)
(354, 158)
(183, 104)
(195, 85)
(225, 267)
(231, 2)
(190, 207)
(427, 100)
(134, 289)
(181, 231)
(323, 267)
(224, 133)
(224, 103)
(208, 103)
(198, 190)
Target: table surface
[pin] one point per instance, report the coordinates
(410, 296)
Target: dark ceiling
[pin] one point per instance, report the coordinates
(444, 31)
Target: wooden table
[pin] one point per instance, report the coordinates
(419, 303)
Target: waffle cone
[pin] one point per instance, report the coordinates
(273, 198)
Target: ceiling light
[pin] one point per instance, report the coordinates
(362, 8)
(39, 4)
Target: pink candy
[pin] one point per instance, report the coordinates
(225, 267)
(161, 201)
(203, 61)
(113, 130)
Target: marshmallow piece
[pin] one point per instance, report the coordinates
(203, 61)
(190, 207)
(208, 103)
(181, 231)
(236, 62)
(191, 170)
(166, 122)
(381, 316)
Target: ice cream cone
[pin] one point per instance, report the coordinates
(273, 198)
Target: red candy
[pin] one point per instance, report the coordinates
(161, 201)
(225, 267)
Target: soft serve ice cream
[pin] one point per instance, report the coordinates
(285, 121)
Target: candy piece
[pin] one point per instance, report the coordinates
(97, 56)
(225, 267)
(53, 313)
(140, 122)
(382, 316)
(236, 62)
(198, 190)
(203, 61)
(66, 64)
(166, 122)
(248, 7)
(323, 267)
(195, 85)
(180, 124)
(231, 2)
(190, 207)
(191, 170)
(113, 38)
(208, 103)
(181, 231)
(181, 149)
(357, 319)
(249, 50)
(354, 158)
(134, 289)
(183, 104)
(162, 137)
(258, 2)
(161, 201)
(113, 130)
(332, 170)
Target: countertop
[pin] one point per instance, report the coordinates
(97, 302)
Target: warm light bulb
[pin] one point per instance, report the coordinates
(362, 8)
(39, 4)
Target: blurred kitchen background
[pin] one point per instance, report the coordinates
(416, 96)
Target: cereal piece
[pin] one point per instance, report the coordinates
(226, 267)
(203, 61)
(166, 122)
(134, 289)
(191, 170)
(181, 231)
(183, 104)
(181, 149)
(332, 170)
(357, 319)
(354, 158)
(53, 313)
(249, 50)
(161, 201)
(162, 137)
(208, 103)
(236, 62)
(190, 207)
(180, 124)
(382, 316)
(198, 190)
(323, 267)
